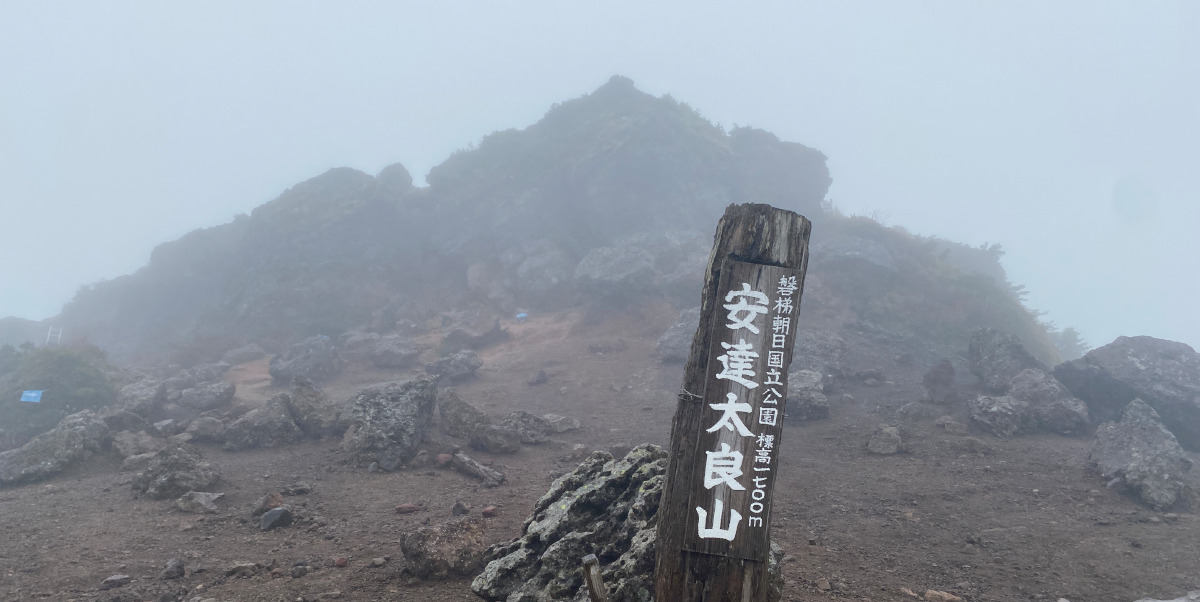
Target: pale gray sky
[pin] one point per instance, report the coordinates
(1066, 131)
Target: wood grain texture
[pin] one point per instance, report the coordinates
(750, 233)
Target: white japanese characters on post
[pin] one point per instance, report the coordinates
(744, 399)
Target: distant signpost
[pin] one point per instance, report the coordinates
(714, 521)
(32, 396)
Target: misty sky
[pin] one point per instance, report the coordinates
(1068, 132)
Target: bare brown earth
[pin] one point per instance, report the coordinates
(985, 519)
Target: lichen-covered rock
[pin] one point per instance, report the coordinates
(996, 357)
(607, 507)
(392, 351)
(597, 509)
(315, 358)
(675, 345)
(449, 550)
(805, 396)
(73, 439)
(1143, 454)
(1002, 416)
(1052, 408)
(206, 396)
(175, 471)
(132, 443)
(313, 411)
(1164, 374)
(268, 425)
(939, 383)
(458, 366)
(458, 417)
(530, 429)
(495, 439)
(387, 425)
(206, 429)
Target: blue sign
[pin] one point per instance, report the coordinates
(34, 396)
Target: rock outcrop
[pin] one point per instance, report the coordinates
(607, 507)
(269, 425)
(73, 439)
(1142, 455)
(1051, 407)
(387, 425)
(315, 358)
(1164, 374)
(996, 357)
(458, 366)
(175, 471)
(458, 417)
(445, 551)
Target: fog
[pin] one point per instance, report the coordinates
(1066, 132)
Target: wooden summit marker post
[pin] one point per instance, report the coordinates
(714, 521)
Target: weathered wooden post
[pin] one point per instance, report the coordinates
(714, 522)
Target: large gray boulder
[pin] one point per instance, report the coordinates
(269, 425)
(445, 551)
(457, 367)
(1052, 408)
(939, 383)
(458, 417)
(618, 273)
(805, 396)
(72, 440)
(530, 428)
(607, 507)
(393, 351)
(387, 425)
(206, 396)
(1002, 416)
(315, 358)
(996, 357)
(1164, 374)
(675, 345)
(175, 471)
(313, 411)
(1142, 454)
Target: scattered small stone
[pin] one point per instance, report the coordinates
(560, 424)
(243, 569)
(269, 502)
(117, 580)
(409, 508)
(460, 508)
(341, 562)
(489, 511)
(297, 488)
(173, 570)
(199, 502)
(823, 584)
(933, 595)
(276, 517)
(444, 459)
(378, 562)
(299, 571)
